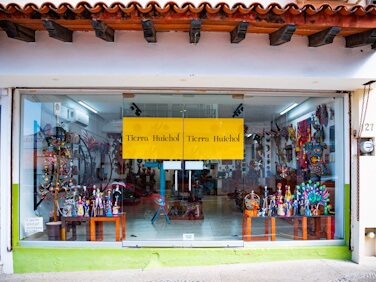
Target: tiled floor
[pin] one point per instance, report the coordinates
(222, 221)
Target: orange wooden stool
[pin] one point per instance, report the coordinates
(96, 227)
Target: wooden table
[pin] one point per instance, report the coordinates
(96, 227)
(269, 227)
(73, 220)
(301, 222)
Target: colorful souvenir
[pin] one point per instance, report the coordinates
(87, 208)
(292, 134)
(80, 207)
(115, 209)
(313, 195)
(288, 201)
(252, 204)
(314, 154)
(272, 206)
(264, 202)
(97, 203)
(108, 204)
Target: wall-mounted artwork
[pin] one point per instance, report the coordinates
(304, 131)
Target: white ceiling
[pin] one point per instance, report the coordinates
(255, 108)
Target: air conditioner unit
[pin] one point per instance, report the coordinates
(79, 117)
(61, 111)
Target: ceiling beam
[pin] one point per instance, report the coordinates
(239, 32)
(150, 34)
(16, 31)
(282, 35)
(103, 31)
(195, 31)
(57, 31)
(367, 37)
(323, 37)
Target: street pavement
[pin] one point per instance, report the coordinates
(304, 270)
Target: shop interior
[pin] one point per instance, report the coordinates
(285, 188)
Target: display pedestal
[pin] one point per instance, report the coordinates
(269, 229)
(54, 230)
(96, 227)
(73, 221)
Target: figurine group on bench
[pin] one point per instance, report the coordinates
(86, 205)
(309, 199)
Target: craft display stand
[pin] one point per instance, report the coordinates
(96, 227)
(269, 225)
(162, 209)
(73, 221)
(300, 224)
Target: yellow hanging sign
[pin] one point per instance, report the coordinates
(213, 138)
(183, 139)
(152, 138)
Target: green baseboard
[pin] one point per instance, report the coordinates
(38, 259)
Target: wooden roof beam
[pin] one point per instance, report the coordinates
(367, 37)
(150, 34)
(195, 31)
(239, 32)
(282, 35)
(323, 37)
(17, 31)
(103, 31)
(57, 31)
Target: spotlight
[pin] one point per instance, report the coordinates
(137, 110)
(370, 235)
(238, 111)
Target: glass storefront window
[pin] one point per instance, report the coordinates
(284, 185)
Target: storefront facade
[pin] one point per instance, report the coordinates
(188, 141)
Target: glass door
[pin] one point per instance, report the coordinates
(181, 195)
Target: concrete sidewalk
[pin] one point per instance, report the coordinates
(305, 270)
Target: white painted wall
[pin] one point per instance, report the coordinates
(175, 63)
(6, 256)
(364, 246)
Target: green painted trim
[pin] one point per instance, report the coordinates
(15, 215)
(346, 214)
(28, 259)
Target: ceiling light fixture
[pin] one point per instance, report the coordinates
(370, 235)
(87, 107)
(238, 110)
(288, 109)
(136, 109)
